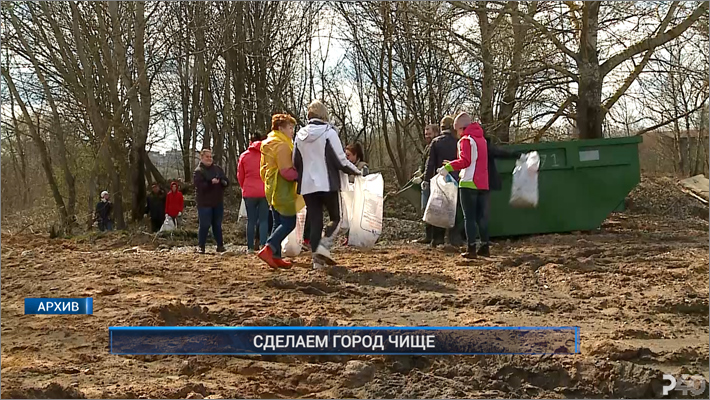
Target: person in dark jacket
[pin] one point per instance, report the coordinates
(494, 151)
(210, 182)
(494, 181)
(443, 148)
(431, 132)
(104, 213)
(155, 208)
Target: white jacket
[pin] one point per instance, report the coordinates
(319, 158)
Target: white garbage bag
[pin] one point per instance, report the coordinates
(291, 246)
(347, 198)
(440, 210)
(524, 191)
(168, 224)
(366, 217)
(242, 210)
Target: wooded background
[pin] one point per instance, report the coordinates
(90, 87)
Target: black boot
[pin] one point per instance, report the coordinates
(221, 249)
(484, 251)
(455, 238)
(437, 236)
(470, 252)
(428, 232)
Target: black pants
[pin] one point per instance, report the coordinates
(475, 212)
(457, 234)
(156, 224)
(315, 202)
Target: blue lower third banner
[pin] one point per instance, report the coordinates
(343, 340)
(34, 305)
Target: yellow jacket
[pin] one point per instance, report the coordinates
(281, 194)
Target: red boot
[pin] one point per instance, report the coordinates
(267, 255)
(281, 263)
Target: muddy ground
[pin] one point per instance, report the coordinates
(637, 287)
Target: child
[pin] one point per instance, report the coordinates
(104, 213)
(174, 204)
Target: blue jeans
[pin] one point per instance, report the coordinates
(210, 216)
(475, 213)
(283, 225)
(105, 226)
(257, 213)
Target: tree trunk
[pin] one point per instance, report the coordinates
(151, 168)
(42, 148)
(590, 115)
(238, 60)
(507, 107)
(21, 152)
(488, 68)
(184, 75)
(56, 128)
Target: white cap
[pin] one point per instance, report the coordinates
(104, 193)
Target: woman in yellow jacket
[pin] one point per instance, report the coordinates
(279, 178)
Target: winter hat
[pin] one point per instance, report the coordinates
(104, 193)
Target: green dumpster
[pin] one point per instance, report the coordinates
(580, 183)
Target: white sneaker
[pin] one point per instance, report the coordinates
(327, 242)
(323, 253)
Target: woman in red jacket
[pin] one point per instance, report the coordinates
(252, 186)
(174, 203)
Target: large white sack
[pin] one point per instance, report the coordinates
(242, 211)
(168, 224)
(524, 191)
(291, 246)
(347, 198)
(366, 219)
(440, 210)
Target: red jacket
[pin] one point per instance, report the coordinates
(174, 202)
(473, 159)
(248, 173)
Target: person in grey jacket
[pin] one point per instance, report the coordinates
(322, 166)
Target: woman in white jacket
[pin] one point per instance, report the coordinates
(322, 166)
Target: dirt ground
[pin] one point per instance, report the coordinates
(637, 288)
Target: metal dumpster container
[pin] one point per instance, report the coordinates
(581, 182)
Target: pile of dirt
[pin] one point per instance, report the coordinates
(663, 197)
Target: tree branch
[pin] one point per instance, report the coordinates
(664, 123)
(542, 28)
(658, 40)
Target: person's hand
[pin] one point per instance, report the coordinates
(180, 214)
(445, 162)
(215, 181)
(418, 181)
(166, 216)
(442, 171)
(425, 185)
